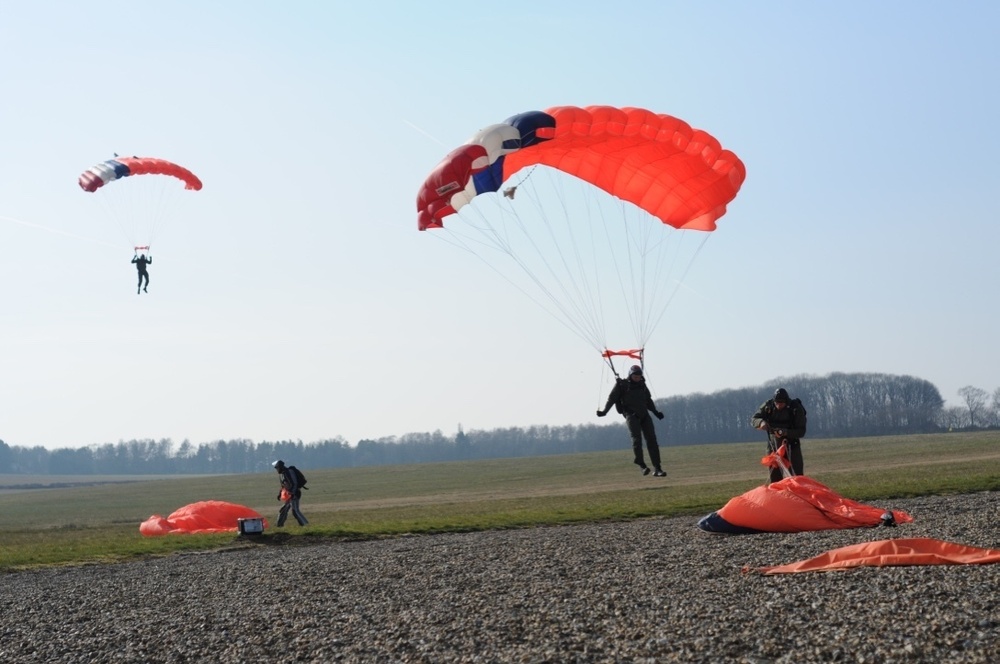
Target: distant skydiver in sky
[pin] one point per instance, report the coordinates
(140, 264)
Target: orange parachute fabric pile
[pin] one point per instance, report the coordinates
(885, 553)
(793, 505)
(207, 516)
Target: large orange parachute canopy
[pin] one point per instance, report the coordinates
(140, 193)
(593, 200)
(793, 505)
(108, 171)
(680, 175)
(207, 516)
(886, 553)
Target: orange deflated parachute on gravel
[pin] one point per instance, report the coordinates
(886, 553)
(793, 505)
(207, 516)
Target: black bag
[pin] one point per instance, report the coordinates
(300, 479)
(621, 386)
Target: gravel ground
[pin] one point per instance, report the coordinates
(652, 590)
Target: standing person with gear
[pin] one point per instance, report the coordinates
(291, 493)
(632, 399)
(784, 420)
(140, 264)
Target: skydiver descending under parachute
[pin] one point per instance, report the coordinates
(607, 200)
(142, 202)
(140, 265)
(633, 400)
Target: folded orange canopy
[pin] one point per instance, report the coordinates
(207, 516)
(886, 553)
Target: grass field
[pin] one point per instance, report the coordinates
(100, 521)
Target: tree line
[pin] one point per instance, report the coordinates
(839, 405)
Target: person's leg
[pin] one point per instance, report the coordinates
(652, 445)
(297, 513)
(635, 433)
(283, 513)
(795, 454)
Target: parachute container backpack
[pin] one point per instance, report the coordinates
(595, 213)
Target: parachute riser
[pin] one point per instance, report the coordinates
(773, 446)
(637, 354)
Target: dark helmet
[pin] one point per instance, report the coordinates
(888, 519)
(781, 395)
(279, 464)
(635, 369)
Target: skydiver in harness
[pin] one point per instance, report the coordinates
(632, 399)
(140, 264)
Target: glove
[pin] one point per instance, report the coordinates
(659, 415)
(602, 413)
(279, 496)
(764, 426)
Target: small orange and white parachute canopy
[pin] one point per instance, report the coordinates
(207, 516)
(887, 553)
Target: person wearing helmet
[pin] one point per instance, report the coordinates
(784, 420)
(140, 264)
(290, 494)
(632, 399)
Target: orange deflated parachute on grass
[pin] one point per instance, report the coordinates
(885, 553)
(207, 516)
(793, 505)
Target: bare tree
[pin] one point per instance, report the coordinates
(975, 402)
(995, 410)
(951, 418)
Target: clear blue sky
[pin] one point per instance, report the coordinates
(293, 298)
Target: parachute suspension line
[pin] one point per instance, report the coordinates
(119, 219)
(450, 235)
(141, 205)
(636, 259)
(680, 280)
(586, 299)
(644, 242)
(562, 289)
(566, 305)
